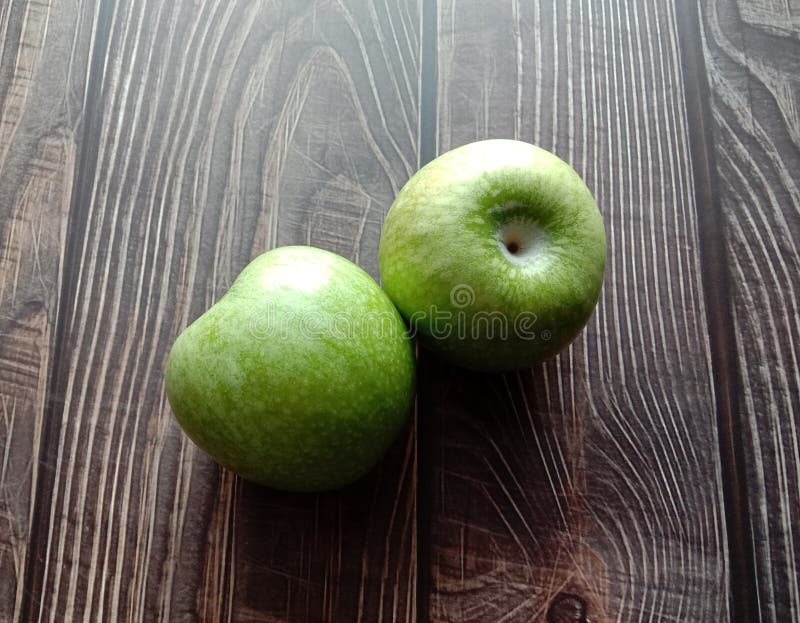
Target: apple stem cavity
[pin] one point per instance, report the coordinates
(522, 241)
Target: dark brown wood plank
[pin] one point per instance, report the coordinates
(221, 129)
(752, 57)
(44, 52)
(588, 488)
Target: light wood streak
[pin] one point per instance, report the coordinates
(780, 17)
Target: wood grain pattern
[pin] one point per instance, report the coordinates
(753, 61)
(220, 129)
(31, 267)
(572, 492)
(43, 70)
(150, 149)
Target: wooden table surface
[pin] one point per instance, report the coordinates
(150, 148)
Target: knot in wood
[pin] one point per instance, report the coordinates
(567, 608)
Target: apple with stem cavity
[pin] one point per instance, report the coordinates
(300, 377)
(495, 253)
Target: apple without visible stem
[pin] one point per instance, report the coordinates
(495, 253)
(300, 377)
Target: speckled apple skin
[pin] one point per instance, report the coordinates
(289, 405)
(441, 233)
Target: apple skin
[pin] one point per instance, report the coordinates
(494, 227)
(300, 377)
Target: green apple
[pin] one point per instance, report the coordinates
(300, 377)
(495, 253)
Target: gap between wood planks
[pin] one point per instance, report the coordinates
(428, 131)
